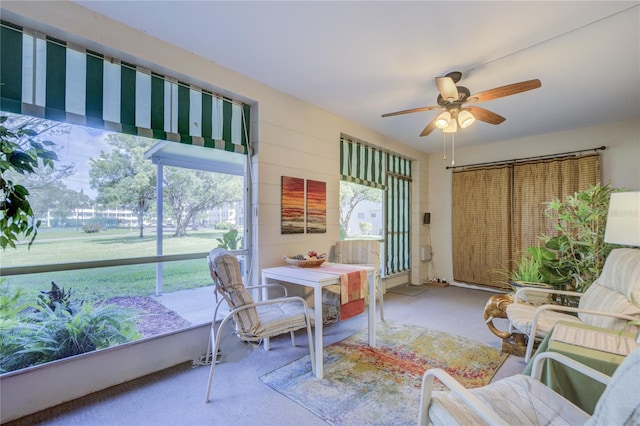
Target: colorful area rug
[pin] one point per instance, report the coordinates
(381, 385)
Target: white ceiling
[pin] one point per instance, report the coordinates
(360, 59)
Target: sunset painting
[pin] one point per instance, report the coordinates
(292, 205)
(316, 207)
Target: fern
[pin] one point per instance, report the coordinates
(47, 330)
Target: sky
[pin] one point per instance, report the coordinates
(77, 147)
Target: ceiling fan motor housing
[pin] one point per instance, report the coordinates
(463, 94)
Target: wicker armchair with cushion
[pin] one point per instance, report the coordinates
(524, 400)
(607, 303)
(254, 321)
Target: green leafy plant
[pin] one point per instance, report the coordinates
(19, 152)
(527, 268)
(56, 326)
(230, 240)
(55, 297)
(579, 247)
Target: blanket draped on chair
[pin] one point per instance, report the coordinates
(353, 285)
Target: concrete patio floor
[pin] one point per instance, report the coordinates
(196, 305)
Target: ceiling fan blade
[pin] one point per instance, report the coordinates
(447, 88)
(509, 89)
(485, 115)
(430, 127)
(409, 111)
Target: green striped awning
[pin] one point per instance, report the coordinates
(366, 165)
(361, 164)
(45, 77)
(398, 214)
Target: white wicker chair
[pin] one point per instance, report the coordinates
(524, 400)
(254, 321)
(607, 303)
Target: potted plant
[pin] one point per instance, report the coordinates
(528, 272)
(579, 248)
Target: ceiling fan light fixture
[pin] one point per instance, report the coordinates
(451, 128)
(443, 120)
(465, 119)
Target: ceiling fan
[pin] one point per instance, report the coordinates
(454, 99)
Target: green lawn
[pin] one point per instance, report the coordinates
(70, 245)
(74, 246)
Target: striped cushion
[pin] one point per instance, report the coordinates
(518, 400)
(358, 252)
(620, 404)
(280, 318)
(521, 316)
(613, 290)
(232, 289)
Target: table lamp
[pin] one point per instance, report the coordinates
(623, 219)
(623, 223)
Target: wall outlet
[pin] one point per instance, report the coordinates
(425, 253)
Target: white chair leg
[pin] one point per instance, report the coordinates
(311, 347)
(293, 339)
(267, 344)
(381, 299)
(532, 338)
(215, 338)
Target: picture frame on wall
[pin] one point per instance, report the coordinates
(316, 207)
(292, 208)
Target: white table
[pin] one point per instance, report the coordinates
(317, 279)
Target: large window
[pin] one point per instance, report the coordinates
(375, 200)
(150, 177)
(99, 205)
(358, 207)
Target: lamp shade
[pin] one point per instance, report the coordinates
(465, 119)
(623, 219)
(443, 120)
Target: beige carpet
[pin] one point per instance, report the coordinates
(409, 290)
(176, 396)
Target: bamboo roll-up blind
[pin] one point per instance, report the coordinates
(481, 225)
(536, 183)
(498, 212)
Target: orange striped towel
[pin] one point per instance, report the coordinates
(353, 284)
